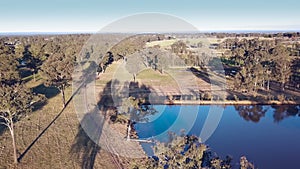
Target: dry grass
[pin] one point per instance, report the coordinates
(162, 43)
(53, 148)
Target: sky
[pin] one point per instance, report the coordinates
(92, 15)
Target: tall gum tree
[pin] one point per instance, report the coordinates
(16, 102)
(282, 65)
(15, 99)
(57, 71)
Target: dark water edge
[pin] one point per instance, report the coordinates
(269, 136)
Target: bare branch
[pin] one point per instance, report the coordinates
(5, 118)
(4, 124)
(7, 125)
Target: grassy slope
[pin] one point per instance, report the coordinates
(53, 149)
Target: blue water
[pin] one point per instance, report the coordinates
(268, 136)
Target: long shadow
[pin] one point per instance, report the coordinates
(49, 125)
(86, 146)
(200, 74)
(142, 91)
(86, 143)
(89, 77)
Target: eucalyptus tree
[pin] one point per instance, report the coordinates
(251, 72)
(32, 58)
(268, 69)
(282, 64)
(135, 64)
(57, 71)
(259, 63)
(136, 111)
(8, 65)
(179, 48)
(183, 152)
(15, 99)
(238, 55)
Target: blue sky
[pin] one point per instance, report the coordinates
(92, 15)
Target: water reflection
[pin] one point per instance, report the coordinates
(283, 111)
(251, 113)
(267, 135)
(254, 113)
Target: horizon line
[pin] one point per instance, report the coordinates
(200, 31)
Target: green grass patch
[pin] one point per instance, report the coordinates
(162, 43)
(150, 76)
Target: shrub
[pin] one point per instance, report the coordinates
(281, 97)
(207, 96)
(236, 98)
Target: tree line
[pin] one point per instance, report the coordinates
(261, 61)
(53, 58)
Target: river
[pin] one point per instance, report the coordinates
(269, 136)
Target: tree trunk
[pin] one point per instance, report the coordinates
(128, 130)
(134, 76)
(102, 69)
(11, 128)
(63, 96)
(255, 84)
(268, 87)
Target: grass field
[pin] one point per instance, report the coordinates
(54, 148)
(205, 40)
(163, 43)
(151, 77)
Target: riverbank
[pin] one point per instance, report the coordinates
(242, 102)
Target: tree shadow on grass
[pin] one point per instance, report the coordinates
(49, 92)
(49, 125)
(2, 129)
(86, 144)
(41, 89)
(201, 74)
